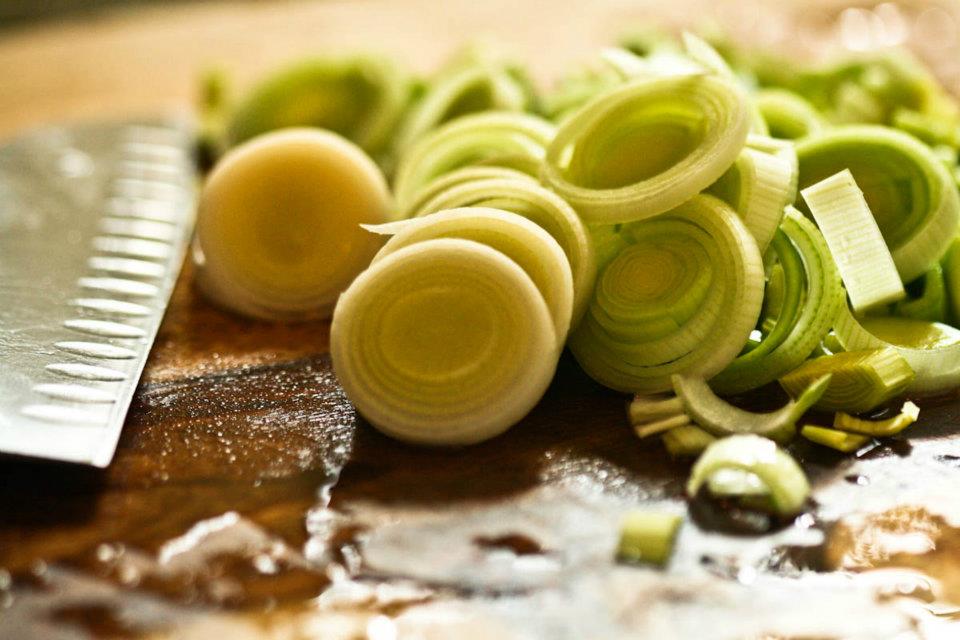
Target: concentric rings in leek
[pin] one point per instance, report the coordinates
(445, 341)
(647, 146)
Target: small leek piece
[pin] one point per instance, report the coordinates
(866, 266)
(878, 428)
(497, 138)
(514, 236)
(911, 195)
(278, 233)
(445, 341)
(861, 380)
(721, 418)
(839, 440)
(951, 280)
(788, 115)
(647, 536)
(646, 408)
(931, 304)
(361, 98)
(682, 277)
(687, 441)
(646, 147)
(787, 485)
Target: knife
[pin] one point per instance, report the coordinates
(94, 223)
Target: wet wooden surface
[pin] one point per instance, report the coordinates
(245, 490)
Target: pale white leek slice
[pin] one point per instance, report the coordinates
(457, 177)
(278, 233)
(518, 238)
(865, 264)
(445, 341)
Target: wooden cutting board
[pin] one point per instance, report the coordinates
(248, 499)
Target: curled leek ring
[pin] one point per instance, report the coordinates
(788, 115)
(446, 341)
(543, 207)
(516, 237)
(910, 193)
(498, 138)
(647, 146)
(681, 297)
(459, 176)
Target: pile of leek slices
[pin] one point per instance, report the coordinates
(690, 225)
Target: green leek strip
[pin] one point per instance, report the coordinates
(721, 418)
(497, 138)
(861, 380)
(278, 223)
(931, 349)
(839, 440)
(660, 426)
(931, 129)
(758, 186)
(457, 177)
(646, 147)
(866, 266)
(644, 409)
(518, 238)
(774, 296)
(445, 341)
(360, 98)
(471, 85)
(543, 207)
(878, 428)
(647, 536)
(813, 295)
(951, 280)
(686, 441)
(681, 297)
(911, 195)
(774, 467)
(931, 304)
(788, 115)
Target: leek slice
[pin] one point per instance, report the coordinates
(839, 440)
(812, 297)
(911, 195)
(457, 177)
(647, 536)
(686, 441)
(646, 408)
(524, 242)
(659, 426)
(878, 428)
(951, 280)
(866, 266)
(543, 207)
(646, 147)
(861, 380)
(787, 485)
(498, 138)
(361, 98)
(278, 233)
(691, 273)
(788, 115)
(721, 418)
(445, 341)
(931, 304)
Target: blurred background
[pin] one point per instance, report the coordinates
(95, 58)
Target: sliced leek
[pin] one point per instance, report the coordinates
(278, 233)
(784, 479)
(683, 276)
(951, 280)
(866, 266)
(446, 341)
(721, 418)
(833, 438)
(931, 303)
(648, 536)
(911, 195)
(457, 177)
(878, 428)
(788, 115)
(646, 147)
(686, 441)
(497, 138)
(861, 380)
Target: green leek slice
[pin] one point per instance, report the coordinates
(861, 380)
(787, 485)
(498, 138)
(646, 147)
(518, 238)
(445, 341)
(911, 195)
(878, 428)
(721, 418)
(683, 276)
(788, 115)
(839, 440)
(931, 304)
(951, 281)
(647, 536)
(646, 408)
(457, 177)
(686, 441)
(866, 266)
